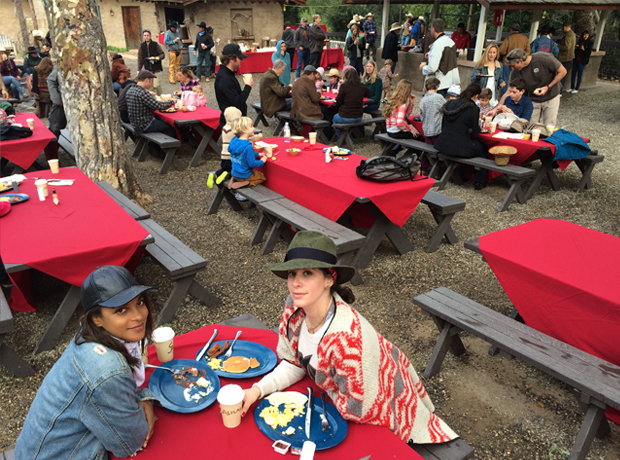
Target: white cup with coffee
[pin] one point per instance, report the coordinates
(163, 338)
(230, 398)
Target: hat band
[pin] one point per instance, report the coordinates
(310, 253)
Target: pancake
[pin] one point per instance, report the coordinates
(236, 364)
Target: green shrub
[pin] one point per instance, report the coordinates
(118, 50)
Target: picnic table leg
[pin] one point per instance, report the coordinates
(279, 127)
(179, 291)
(443, 229)
(171, 158)
(223, 192)
(13, 362)
(273, 237)
(59, 321)
(449, 335)
(320, 136)
(546, 170)
(202, 294)
(586, 434)
(207, 139)
(261, 228)
(586, 175)
(449, 172)
(513, 191)
(514, 314)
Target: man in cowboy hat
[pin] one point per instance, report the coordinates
(172, 40)
(31, 60)
(390, 46)
(370, 27)
(203, 46)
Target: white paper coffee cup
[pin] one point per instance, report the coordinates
(163, 338)
(54, 166)
(30, 122)
(535, 135)
(487, 122)
(41, 185)
(550, 129)
(230, 398)
(312, 137)
(493, 126)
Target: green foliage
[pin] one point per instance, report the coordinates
(118, 50)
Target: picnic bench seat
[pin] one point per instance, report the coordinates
(181, 265)
(129, 132)
(260, 116)
(456, 449)
(8, 357)
(168, 144)
(514, 175)
(443, 208)
(64, 140)
(596, 382)
(317, 125)
(423, 148)
(348, 128)
(586, 165)
(124, 202)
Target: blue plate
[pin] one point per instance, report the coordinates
(338, 426)
(170, 395)
(14, 198)
(264, 355)
(342, 152)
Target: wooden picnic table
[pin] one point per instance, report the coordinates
(331, 189)
(260, 61)
(183, 435)
(23, 152)
(562, 281)
(86, 230)
(206, 123)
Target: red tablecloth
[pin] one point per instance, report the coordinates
(208, 117)
(187, 435)
(330, 188)
(332, 98)
(260, 61)
(86, 230)
(563, 280)
(24, 151)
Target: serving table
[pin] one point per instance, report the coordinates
(86, 230)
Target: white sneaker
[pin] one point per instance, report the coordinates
(575, 91)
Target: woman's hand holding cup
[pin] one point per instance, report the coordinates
(251, 396)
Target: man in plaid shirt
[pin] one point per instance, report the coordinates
(370, 27)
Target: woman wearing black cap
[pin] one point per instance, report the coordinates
(203, 46)
(89, 403)
(322, 336)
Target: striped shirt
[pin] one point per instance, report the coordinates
(397, 121)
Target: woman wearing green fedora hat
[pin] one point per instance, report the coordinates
(322, 336)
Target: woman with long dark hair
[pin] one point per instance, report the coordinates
(350, 100)
(89, 403)
(39, 86)
(583, 49)
(323, 337)
(356, 44)
(460, 130)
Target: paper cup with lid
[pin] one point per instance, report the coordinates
(230, 398)
(163, 338)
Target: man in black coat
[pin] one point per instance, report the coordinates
(390, 45)
(317, 41)
(203, 46)
(227, 89)
(150, 55)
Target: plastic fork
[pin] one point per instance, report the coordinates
(228, 354)
(174, 371)
(324, 422)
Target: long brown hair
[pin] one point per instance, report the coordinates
(89, 332)
(370, 76)
(45, 67)
(344, 292)
(187, 72)
(399, 97)
(484, 59)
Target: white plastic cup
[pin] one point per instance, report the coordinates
(30, 122)
(312, 137)
(163, 338)
(54, 166)
(230, 398)
(41, 185)
(535, 135)
(493, 126)
(550, 129)
(487, 122)
(307, 452)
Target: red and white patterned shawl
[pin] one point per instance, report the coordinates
(368, 378)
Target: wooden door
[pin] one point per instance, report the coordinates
(131, 23)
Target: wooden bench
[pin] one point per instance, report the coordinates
(514, 175)
(443, 208)
(129, 206)
(64, 140)
(348, 128)
(181, 265)
(260, 116)
(317, 125)
(423, 148)
(8, 357)
(586, 165)
(453, 450)
(596, 382)
(129, 132)
(168, 144)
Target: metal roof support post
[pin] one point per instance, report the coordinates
(436, 9)
(535, 23)
(482, 31)
(600, 28)
(500, 28)
(385, 26)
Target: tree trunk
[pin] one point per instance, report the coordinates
(89, 101)
(19, 14)
(583, 20)
(35, 24)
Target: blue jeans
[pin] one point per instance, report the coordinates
(577, 71)
(289, 103)
(13, 84)
(302, 56)
(565, 64)
(338, 119)
(506, 71)
(404, 40)
(203, 58)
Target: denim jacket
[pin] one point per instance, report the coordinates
(499, 77)
(86, 406)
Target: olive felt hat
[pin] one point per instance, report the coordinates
(312, 250)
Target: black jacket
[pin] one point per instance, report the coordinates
(390, 47)
(206, 39)
(585, 53)
(229, 94)
(459, 129)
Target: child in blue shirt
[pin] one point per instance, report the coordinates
(243, 157)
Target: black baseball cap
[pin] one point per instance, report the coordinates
(110, 286)
(232, 49)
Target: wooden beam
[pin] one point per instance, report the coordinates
(600, 28)
(385, 26)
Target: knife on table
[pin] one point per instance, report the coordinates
(309, 413)
(206, 347)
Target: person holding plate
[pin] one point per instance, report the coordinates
(368, 378)
(488, 72)
(89, 403)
